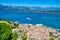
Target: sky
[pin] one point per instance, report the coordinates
(43, 3)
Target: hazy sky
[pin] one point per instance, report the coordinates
(32, 2)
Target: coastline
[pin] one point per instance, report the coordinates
(36, 30)
(30, 31)
(40, 24)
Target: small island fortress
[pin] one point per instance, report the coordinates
(27, 31)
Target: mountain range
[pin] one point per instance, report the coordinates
(30, 8)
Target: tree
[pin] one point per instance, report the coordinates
(51, 38)
(24, 37)
(51, 33)
(5, 31)
(14, 36)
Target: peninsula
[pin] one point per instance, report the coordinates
(15, 31)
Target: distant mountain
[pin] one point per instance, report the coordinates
(5, 7)
(52, 8)
(30, 9)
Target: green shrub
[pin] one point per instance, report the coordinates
(5, 31)
(14, 36)
(24, 37)
(51, 38)
(51, 33)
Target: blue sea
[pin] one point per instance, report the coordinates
(48, 19)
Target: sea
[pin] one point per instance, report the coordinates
(48, 19)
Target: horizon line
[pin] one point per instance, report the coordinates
(36, 5)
